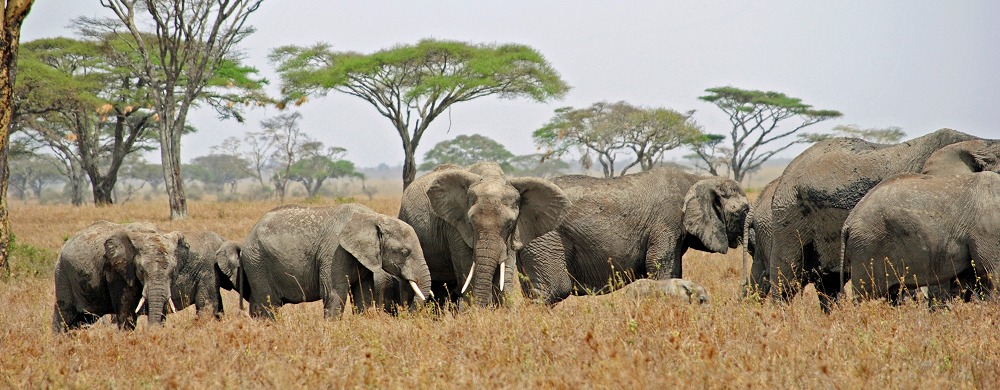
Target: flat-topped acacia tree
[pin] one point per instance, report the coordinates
(411, 85)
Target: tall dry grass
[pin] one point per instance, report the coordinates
(602, 342)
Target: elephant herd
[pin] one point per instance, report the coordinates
(890, 218)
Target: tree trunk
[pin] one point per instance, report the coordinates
(170, 156)
(10, 36)
(409, 166)
(102, 191)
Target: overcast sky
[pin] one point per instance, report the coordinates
(919, 65)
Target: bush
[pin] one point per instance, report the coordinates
(28, 261)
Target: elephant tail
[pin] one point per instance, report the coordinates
(845, 234)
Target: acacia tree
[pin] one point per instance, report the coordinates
(755, 116)
(465, 150)
(14, 12)
(316, 166)
(607, 129)
(181, 60)
(411, 85)
(73, 99)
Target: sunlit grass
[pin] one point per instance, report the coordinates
(608, 341)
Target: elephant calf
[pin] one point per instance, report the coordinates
(303, 254)
(917, 230)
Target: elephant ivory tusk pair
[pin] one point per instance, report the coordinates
(142, 301)
(417, 290)
(468, 279)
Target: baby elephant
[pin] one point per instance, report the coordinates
(108, 268)
(919, 230)
(685, 289)
(303, 254)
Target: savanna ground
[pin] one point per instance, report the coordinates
(604, 342)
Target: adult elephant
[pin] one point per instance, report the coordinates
(471, 220)
(107, 268)
(813, 197)
(300, 254)
(622, 229)
(918, 230)
(757, 230)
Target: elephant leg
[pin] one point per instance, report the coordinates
(663, 256)
(462, 259)
(543, 263)
(65, 317)
(336, 274)
(828, 287)
(364, 294)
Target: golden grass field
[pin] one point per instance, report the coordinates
(602, 342)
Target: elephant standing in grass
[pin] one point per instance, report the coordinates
(199, 277)
(919, 230)
(757, 231)
(470, 222)
(303, 254)
(108, 268)
(813, 197)
(622, 229)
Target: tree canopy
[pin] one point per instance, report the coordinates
(755, 116)
(411, 85)
(609, 130)
(465, 150)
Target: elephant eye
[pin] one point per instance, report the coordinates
(163, 265)
(406, 251)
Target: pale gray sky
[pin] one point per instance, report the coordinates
(919, 65)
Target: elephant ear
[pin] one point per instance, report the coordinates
(183, 251)
(449, 196)
(362, 237)
(542, 207)
(964, 157)
(702, 210)
(227, 259)
(120, 253)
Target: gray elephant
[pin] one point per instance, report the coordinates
(107, 268)
(470, 222)
(813, 197)
(622, 229)
(757, 229)
(199, 277)
(303, 254)
(917, 230)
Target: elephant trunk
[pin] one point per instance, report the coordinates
(156, 301)
(416, 273)
(490, 253)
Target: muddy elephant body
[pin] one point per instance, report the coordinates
(920, 230)
(300, 254)
(199, 278)
(813, 197)
(636, 226)
(107, 268)
(757, 230)
(471, 220)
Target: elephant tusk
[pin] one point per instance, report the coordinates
(469, 278)
(173, 309)
(142, 301)
(503, 267)
(417, 290)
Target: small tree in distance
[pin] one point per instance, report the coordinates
(465, 150)
(755, 116)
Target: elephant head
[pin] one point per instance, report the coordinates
(227, 263)
(964, 157)
(495, 216)
(715, 210)
(149, 259)
(387, 245)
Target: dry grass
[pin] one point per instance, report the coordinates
(597, 342)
